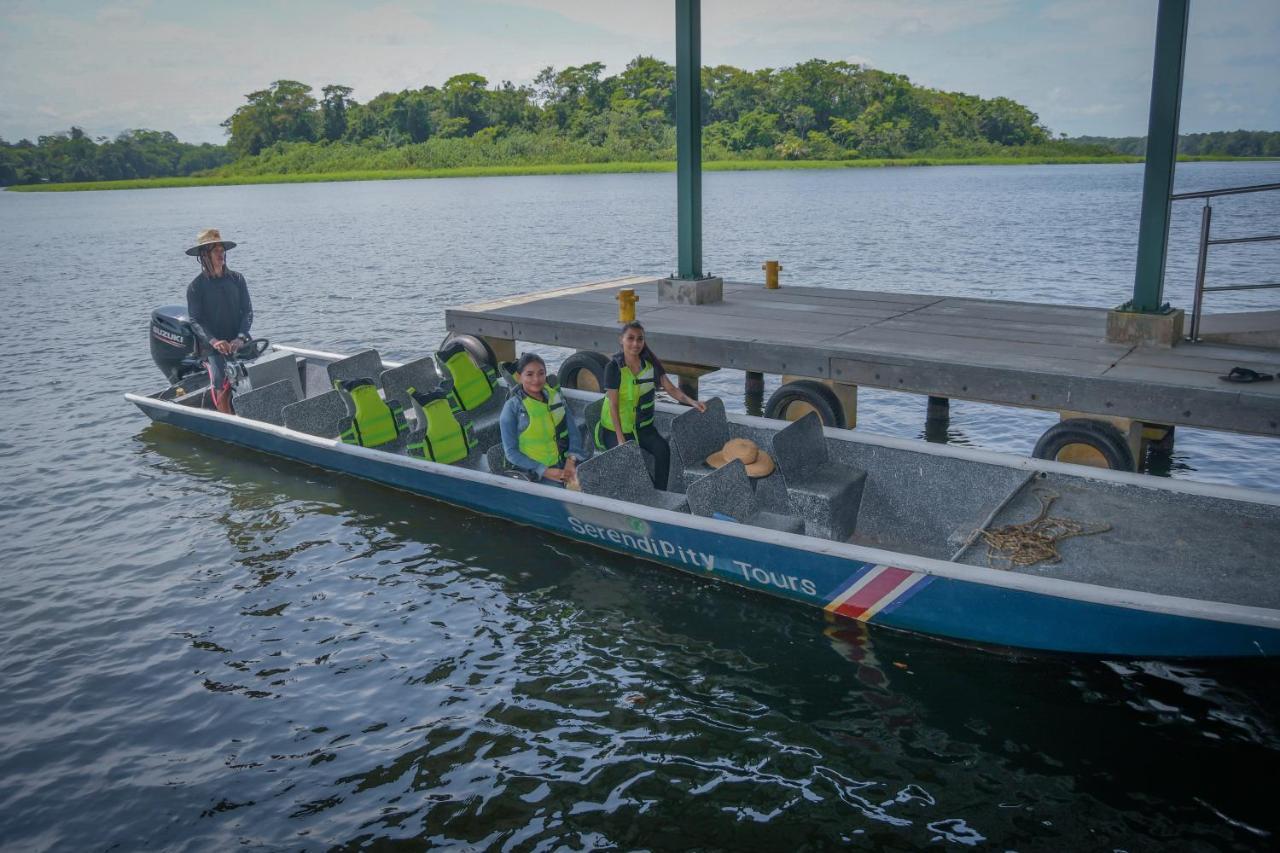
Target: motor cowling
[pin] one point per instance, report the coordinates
(174, 347)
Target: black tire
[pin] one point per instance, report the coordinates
(1105, 441)
(584, 371)
(478, 348)
(796, 399)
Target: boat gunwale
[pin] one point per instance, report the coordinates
(1216, 611)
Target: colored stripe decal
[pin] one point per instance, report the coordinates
(874, 591)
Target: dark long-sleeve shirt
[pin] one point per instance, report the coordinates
(219, 308)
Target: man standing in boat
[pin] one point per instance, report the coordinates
(220, 311)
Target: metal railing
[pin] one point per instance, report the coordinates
(1206, 216)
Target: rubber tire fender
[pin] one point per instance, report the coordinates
(1099, 435)
(477, 347)
(572, 367)
(821, 398)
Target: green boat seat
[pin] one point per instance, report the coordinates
(374, 422)
(472, 385)
(440, 437)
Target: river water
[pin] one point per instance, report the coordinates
(205, 648)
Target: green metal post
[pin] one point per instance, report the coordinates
(1162, 155)
(689, 136)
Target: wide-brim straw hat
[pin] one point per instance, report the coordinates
(209, 237)
(757, 462)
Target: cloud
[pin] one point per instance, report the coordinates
(173, 66)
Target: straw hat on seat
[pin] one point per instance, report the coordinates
(757, 462)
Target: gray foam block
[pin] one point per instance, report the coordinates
(366, 364)
(266, 403)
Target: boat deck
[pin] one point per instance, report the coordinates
(1052, 357)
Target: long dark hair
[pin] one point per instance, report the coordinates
(206, 261)
(646, 354)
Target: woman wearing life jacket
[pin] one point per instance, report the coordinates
(630, 383)
(539, 433)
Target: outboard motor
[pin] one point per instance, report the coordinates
(173, 344)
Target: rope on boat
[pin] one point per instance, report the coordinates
(1035, 541)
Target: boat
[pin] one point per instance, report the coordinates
(1139, 566)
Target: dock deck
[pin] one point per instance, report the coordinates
(1052, 357)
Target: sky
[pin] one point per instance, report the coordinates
(1083, 65)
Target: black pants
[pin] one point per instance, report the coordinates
(651, 441)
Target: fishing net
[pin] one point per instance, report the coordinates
(1035, 541)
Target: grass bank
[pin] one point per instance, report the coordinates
(567, 169)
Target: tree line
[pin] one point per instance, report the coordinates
(813, 109)
(74, 156)
(819, 109)
(1228, 143)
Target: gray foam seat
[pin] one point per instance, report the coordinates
(488, 413)
(496, 463)
(826, 494)
(419, 374)
(324, 415)
(727, 492)
(266, 403)
(283, 366)
(591, 417)
(620, 473)
(366, 364)
(695, 436)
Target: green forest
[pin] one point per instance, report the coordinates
(817, 110)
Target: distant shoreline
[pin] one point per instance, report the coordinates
(581, 169)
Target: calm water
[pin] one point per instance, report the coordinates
(204, 649)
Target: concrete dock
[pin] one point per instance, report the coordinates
(1052, 357)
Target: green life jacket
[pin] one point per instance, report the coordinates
(472, 385)
(375, 422)
(546, 438)
(636, 396)
(444, 439)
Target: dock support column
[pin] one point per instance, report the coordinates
(937, 419)
(503, 349)
(689, 137)
(753, 393)
(1157, 187)
(687, 375)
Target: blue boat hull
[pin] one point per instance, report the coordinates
(907, 594)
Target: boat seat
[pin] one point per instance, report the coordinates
(438, 435)
(417, 375)
(695, 436)
(324, 415)
(375, 422)
(496, 463)
(620, 473)
(825, 493)
(727, 493)
(366, 364)
(282, 366)
(472, 386)
(267, 403)
(591, 417)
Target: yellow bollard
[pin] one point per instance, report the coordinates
(771, 270)
(627, 300)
